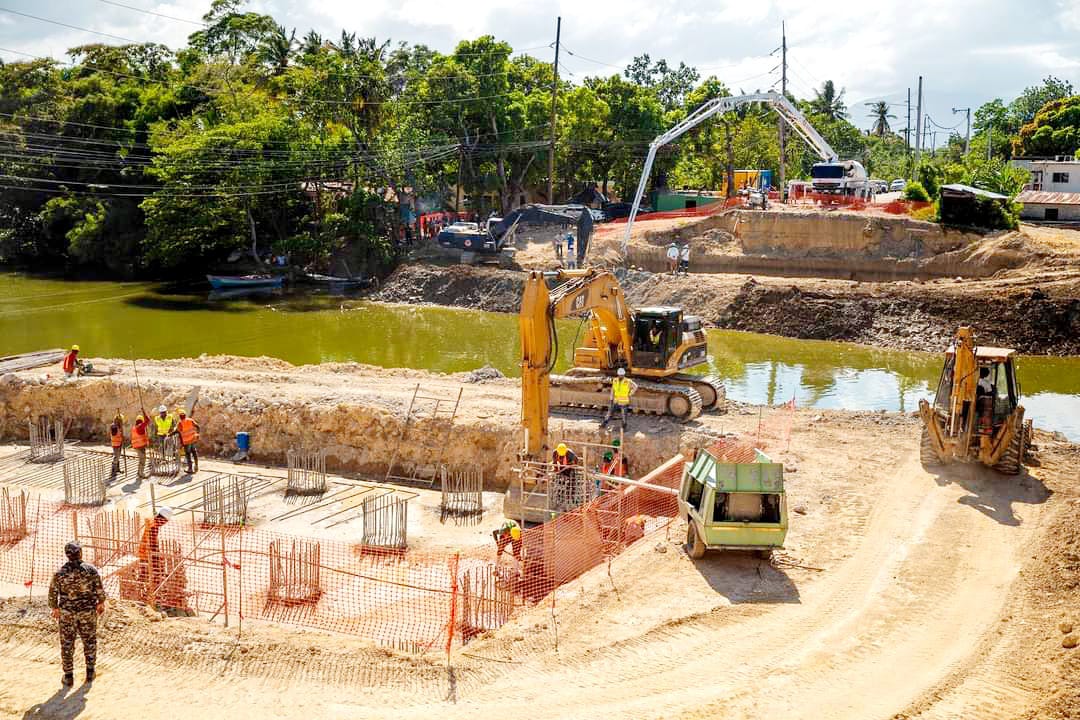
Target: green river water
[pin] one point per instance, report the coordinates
(140, 320)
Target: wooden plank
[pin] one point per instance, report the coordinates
(29, 361)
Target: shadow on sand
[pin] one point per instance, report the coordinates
(742, 577)
(60, 706)
(990, 492)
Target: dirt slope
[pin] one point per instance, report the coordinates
(904, 594)
(1035, 310)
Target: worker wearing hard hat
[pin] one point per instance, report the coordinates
(565, 460)
(189, 435)
(140, 439)
(164, 426)
(72, 365)
(151, 566)
(622, 388)
(508, 534)
(116, 440)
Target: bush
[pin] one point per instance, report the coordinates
(928, 213)
(915, 191)
(929, 176)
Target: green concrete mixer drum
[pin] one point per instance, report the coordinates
(733, 505)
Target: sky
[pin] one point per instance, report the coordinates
(968, 51)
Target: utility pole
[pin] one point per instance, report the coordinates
(554, 98)
(918, 124)
(907, 125)
(783, 92)
(989, 141)
(967, 133)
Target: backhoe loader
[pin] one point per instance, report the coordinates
(976, 415)
(655, 345)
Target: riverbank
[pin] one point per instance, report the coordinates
(1034, 311)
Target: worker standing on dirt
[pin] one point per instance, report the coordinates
(72, 365)
(116, 440)
(189, 435)
(508, 534)
(684, 259)
(76, 597)
(558, 242)
(622, 388)
(673, 258)
(620, 466)
(571, 256)
(140, 438)
(150, 563)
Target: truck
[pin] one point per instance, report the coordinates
(493, 240)
(728, 505)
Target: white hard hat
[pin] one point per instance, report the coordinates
(162, 408)
(165, 512)
(621, 372)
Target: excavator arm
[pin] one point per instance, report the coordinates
(583, 291)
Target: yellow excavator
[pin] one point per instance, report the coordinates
(655, 345)
(976, 415)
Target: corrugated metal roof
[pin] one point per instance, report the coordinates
(1041, 197)
(969, 190)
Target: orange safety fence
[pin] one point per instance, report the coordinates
(409, 600)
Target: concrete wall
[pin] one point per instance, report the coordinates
(1037, 211)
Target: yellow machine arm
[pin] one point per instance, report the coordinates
(582, 291)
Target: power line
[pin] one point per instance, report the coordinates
(155, 14)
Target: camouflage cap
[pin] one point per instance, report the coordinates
(73, 550)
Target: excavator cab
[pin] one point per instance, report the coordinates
(657, 334)
(997, 392)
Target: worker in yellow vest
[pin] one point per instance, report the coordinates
(164, 426)
(622, 388)
(189, 435)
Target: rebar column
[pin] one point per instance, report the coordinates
(462, 493)
(295, 572)
(12, 517)
(307, 472)
(385, 522)
(46, 440)
(225, 499)
(164, 456)
(86, 480)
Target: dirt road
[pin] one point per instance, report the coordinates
(903, 593)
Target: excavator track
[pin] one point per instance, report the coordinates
(709, 387)
(681, 402)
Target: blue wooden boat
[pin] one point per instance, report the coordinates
(230, 282)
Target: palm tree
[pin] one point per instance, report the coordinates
(276, 48)
(880, 112)
(828, 102)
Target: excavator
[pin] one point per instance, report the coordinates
(655, 345)
(976, 415)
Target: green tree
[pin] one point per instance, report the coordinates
(1054, 130)
(879, 111)
(829, 103)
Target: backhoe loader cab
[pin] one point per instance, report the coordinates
(976, 414)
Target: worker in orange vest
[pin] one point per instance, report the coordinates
(150, 562)
(189, 435)
(116, 439)
(140, 438)
(72, 364)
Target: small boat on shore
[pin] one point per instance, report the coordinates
(229, 282)
(350, 282)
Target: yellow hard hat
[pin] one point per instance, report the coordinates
(561, 449)
(75, 348)
(181, 410)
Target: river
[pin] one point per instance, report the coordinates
(141, 320)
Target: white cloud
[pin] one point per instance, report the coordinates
(969, 51)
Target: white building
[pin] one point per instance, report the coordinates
(1054, 191)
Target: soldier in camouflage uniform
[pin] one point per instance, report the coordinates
(77, 597)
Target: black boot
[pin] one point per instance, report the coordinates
(90, 675)
(68, 679)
